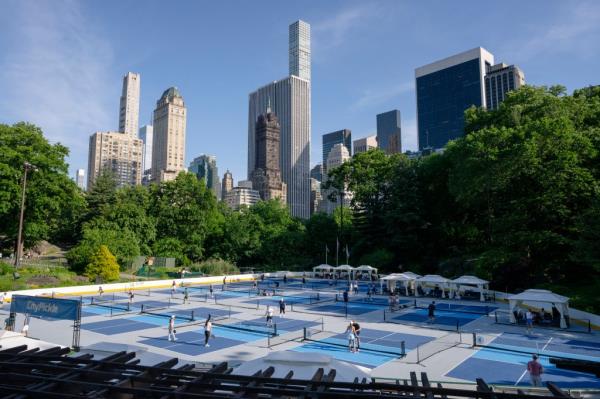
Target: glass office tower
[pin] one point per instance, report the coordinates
(343, 137)
(389, 133)
(445, 89)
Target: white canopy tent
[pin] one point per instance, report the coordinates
(406, 278)
(324, 268)
(370, 270)
(345, 269)
(433, 279)
(540, 296)
(482, 285)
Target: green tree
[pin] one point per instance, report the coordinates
(103, 264)
(53, 202)
(122, 242)
(185, 210)
(102, 195)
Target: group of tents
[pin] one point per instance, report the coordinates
(415, 284)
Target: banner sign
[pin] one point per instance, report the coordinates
(51, 308)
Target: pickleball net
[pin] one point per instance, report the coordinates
(376, 345)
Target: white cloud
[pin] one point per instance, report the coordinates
(373, 97)
(56, 75)
(333, 32)
(578, 30)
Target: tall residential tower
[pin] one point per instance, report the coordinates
(168, 147)
(289, 99)
(117, 152)
(499, 80)
(205, 168)
(129, 112)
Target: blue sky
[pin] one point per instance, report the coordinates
(62, 62)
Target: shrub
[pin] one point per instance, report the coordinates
(215, 267)
(104, 265)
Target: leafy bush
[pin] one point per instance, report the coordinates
(104, 265)
(215, 267)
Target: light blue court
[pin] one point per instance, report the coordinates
(501, 366)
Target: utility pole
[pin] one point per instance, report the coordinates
(26, 167)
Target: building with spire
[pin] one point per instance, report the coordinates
(226, 185)
(290, 101)
(266, 176)
(129, 111)
(168, 147)
(205, 168)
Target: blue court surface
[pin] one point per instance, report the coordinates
(116, 326)
(498, 366)
(377, 347)
(442, 317)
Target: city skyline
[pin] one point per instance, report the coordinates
(71, 91)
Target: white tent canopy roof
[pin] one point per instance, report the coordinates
(323, 267)
(344, 267)
(433, 278)
(470, 280)
(366, 267)
(539, 296)
(411, 275)
(395, 277)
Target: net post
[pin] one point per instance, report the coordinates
(111, 311)
(474, 340)
(322, 324)
(142, 308)
(496, 317)
(193, 315)
(128, 306)
(589, 326)
(275, 329)
(415, 303)
(304, 333)
(403, 348)
(91, 300)
(257, 304)
(384, 315)
(346, 309)
(457, 325)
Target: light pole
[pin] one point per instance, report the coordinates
(26, 167)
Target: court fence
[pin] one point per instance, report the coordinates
(575, 325)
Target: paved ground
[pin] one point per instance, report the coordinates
(241, 332)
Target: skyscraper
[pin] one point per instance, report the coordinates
(80, 178)
(317, 172)
(337, 156)
(445, 89)
(389, 133)
(315, 195)
(299, 49)
(117, 152)
(168, 147)
(205, 168)
(343, 136)
(266, 176)
(146, 137)
(290, 101)
(130, 104)
(499, 80)
(365, 144)
(227, 184)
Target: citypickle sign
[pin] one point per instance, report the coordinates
(50, 308)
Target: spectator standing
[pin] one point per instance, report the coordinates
(351, 338)
(356, 333)
(186, 296)
(281, 307)
(130, 297)
(269, 315)
(207, 331)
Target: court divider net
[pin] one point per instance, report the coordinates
(249, 326)
(160, 311)
(367, 344)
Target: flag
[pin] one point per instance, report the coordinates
(347, 252)
(326, 248)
